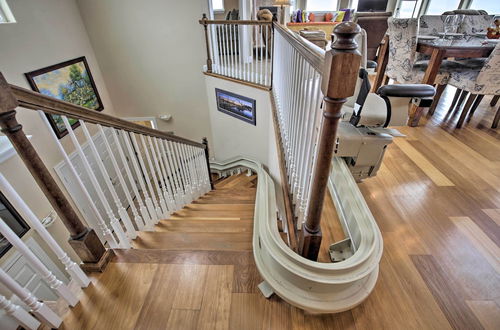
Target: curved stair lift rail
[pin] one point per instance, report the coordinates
(309, 285)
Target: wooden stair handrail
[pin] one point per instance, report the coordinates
(36, 101)
(237, 22)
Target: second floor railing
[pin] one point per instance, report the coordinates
(240, 49)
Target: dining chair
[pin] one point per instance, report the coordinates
(475, 24)
(431, 25)
(375, 24)
(402, 65)
(479, 82)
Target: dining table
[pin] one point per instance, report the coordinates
(438, 49)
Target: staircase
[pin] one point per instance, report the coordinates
(221, 220)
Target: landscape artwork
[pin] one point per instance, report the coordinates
(70, 81)
(235, 105)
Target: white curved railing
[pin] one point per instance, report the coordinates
(313, 286)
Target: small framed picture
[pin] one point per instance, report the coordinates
(69, 81)
(235, 105)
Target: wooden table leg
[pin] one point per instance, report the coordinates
(429, 78)
(383, 58)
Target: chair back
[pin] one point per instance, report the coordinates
(431, 24)
(376, 26)
(489, 76)
(402, 48)
(475, 24)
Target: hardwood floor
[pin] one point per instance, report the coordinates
(436, 200)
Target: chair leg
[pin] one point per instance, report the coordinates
(494, 100)
(465, 110)
(455, 98)
(461, 100)
(496, 119)
(439, 91)
(478, 100)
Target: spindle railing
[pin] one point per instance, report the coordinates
(240, 49)
(309, 89)
(162, 172)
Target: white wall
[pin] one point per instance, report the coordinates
(234, 137)
(151, 53)
(47, 32)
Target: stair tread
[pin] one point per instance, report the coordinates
(194, 241)
(188, 225)
(158, 256)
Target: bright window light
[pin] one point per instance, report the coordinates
(218, 5)
(438, 7)
(321, 5)
(408, 8)
(5, 13)
(491, 6)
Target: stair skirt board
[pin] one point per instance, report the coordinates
(313, 286)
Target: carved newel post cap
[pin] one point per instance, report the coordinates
(204, 16)
(344, 36)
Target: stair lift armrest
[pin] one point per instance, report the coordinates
(398, 97)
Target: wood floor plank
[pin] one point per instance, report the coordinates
(216, 305)
(488, 313)
(277, 315)
(423, 163)
(452, 304)
(189, 293)
(494, 214)
(114, 299)
(245, 279)
(489, 250)
(182, 319)
(195, 241)
(155, 310)
(247, 310)
(202, 226)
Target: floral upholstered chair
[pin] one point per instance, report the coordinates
(402, 65)
(480, 82)
(431, 25)
(473, 24)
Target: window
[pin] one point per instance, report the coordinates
(491, 6)
(321, 5)
(408, 8)
(218, 5)
(13, 220)
(438, 7)
(5, 13)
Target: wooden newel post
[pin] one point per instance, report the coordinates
(203, 21)
(207, 158)
(339, 80)
(83, 240)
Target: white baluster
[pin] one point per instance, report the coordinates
(59, 287)
(40, 310)
(187, 168)
(266, 52)
(122, 212)
(157, 212)
(176, 187)
(168, 191)
(187, 187)
(163, 189)
(177, 168)
(192, 170)
(123, 240)
(137, 217)
(148, 214)
(163, 204)
(144, 219)
(71, 267)
(106, 232)
(20, 315)
(231, 53)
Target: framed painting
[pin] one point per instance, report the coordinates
(9, 214)
(235, 105)
(69, 81)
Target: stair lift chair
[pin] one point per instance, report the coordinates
(363, 132)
